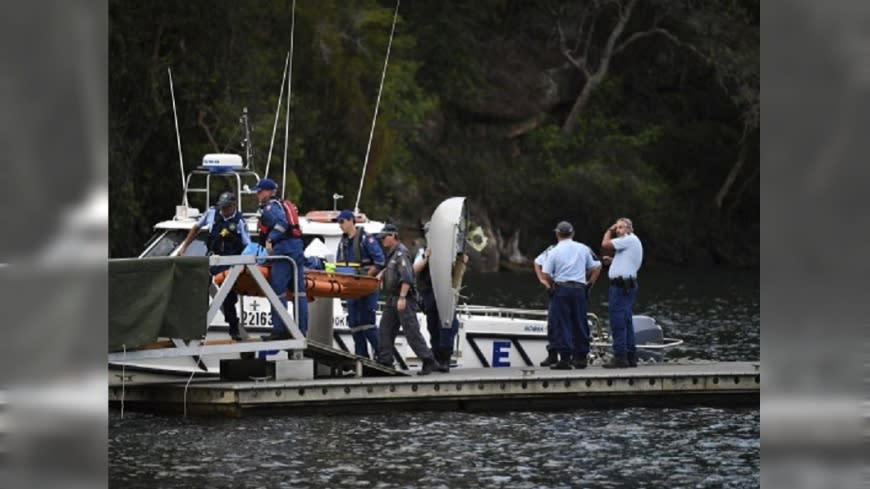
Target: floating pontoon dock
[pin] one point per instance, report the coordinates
(719, 384)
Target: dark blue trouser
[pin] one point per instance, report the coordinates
(568, 320)
(228, 308)
(362, 323)
(621, 327)
(279, 279)
(440, 339)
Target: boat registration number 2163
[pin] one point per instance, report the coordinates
(261, 318)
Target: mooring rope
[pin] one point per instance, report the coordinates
(186, 385)
(377, 104)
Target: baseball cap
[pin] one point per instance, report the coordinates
(265, 184)
(389, 228)
(345, 214)
(564, 227)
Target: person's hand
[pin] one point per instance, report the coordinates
(268, 246)
(401, 303)
(427, 253)
(465, 259)
(182, 250)
(606, 260)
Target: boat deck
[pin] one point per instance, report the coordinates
(667, 384)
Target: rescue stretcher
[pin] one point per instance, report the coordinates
(317, 284)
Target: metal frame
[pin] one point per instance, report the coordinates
(237, 263)
(196, 348)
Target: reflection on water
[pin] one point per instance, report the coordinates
(631, 448)
(716, 312)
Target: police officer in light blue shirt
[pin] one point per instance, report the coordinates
(623, 289)
(568, 269)
(227, 235)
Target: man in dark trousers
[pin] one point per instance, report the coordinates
(359, 248)
(397, 287)
(623, 289)
(227, 235)
(566, 269)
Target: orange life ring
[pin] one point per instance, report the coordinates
(329, 216)
(317, 284)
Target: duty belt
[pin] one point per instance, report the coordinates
(625, 282)
(572, 284)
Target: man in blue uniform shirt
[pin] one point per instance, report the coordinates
(357, 247)
(623, 289)
(275, 234)
(566, 268)
(228, 235)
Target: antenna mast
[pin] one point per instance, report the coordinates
(178, 138)
(246, 143)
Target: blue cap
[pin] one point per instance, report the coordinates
(265, 184)
(345, 214)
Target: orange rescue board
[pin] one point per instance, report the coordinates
(317, 284)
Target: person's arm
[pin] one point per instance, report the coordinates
(422, 260)
(376, 254)
(243, 232)
(606, 241)
(592, 275)
(201, 223)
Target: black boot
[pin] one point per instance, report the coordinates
(617, 362)
(443, 359)
(579, 361)
(552, 358)
(564, 363)
(429, 366)
(631, 359)
(234, 332)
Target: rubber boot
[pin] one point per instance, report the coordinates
(631, 359)
(564, 363)
(617, 362)
(552, 358)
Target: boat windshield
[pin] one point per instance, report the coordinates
(166, 243)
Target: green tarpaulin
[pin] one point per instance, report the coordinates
(157, 297)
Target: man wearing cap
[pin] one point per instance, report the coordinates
(228, 235)
(565, 271)
(357, 247)
(623, 289)
(276, 237)
(397, 286)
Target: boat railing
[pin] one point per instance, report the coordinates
(241, 178)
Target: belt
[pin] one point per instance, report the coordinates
(623, 281)
(572, 285)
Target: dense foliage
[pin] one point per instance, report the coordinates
(537, 111)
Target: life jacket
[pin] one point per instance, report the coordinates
(345, 256)
(294, 230)
(224, 237)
